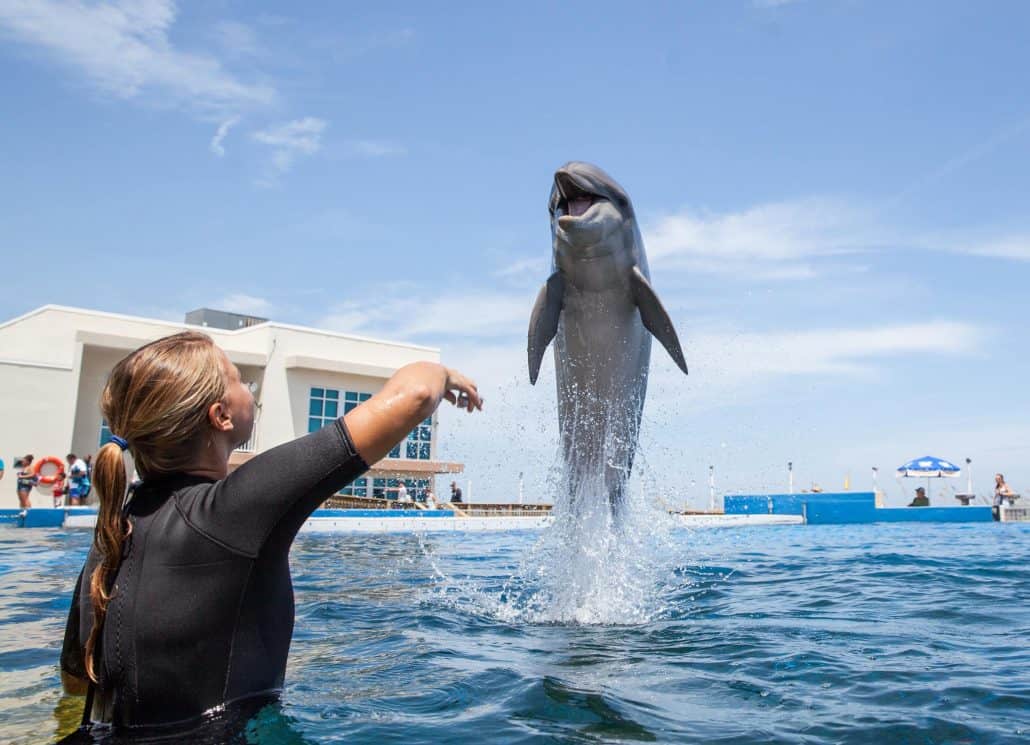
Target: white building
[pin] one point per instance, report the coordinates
(54, 363)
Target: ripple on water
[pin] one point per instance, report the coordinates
(857, 634)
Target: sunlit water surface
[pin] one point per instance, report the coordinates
(856, 634)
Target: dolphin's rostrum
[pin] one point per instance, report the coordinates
(600, 309)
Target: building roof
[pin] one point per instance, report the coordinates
(209, 329)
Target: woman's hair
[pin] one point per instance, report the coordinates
(999, 477)
(28, 459)
(157, 400)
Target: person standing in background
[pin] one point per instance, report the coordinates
(89, 476)
(26, 480)
(78, 480)
(1001, 490)
(57, 490)
(455, 492)
(402, 493)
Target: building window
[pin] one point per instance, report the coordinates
(387, 488)
(419, 443)
(380, 487)
(358, 488)
(324, 405)
(351, 399)
(105, 433)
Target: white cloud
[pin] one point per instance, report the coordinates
(790, 240)
(373, 148)
(242, 303)
(291, 140)
(124, 49)
(223, 129)
(1015, 247)
(406, 316)
(842, 351)
(770, 241)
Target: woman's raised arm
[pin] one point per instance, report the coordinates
(411, 395)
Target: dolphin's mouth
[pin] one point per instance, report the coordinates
(573, 199)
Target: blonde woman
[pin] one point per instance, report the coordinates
(1002, 491)
(185, 604)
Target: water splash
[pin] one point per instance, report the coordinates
(591, 566)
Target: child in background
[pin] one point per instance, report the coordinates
(58, 490)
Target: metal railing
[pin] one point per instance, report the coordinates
(250, 445)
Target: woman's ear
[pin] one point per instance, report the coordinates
(219, 417)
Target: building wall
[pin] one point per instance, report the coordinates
(55, 361)
(94, 368)
(300, 382)
(36, 412)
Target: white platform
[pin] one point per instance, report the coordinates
(421, 525)
(737, 521)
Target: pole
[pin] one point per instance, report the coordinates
(969, 476)
(790, 476)
(711, 488)
(520, 487)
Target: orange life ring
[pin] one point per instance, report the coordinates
(53, 460)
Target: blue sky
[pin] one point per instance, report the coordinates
(833, 195)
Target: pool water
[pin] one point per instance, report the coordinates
(816, 634)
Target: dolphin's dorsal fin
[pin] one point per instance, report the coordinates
(543, 323)
(655, 319)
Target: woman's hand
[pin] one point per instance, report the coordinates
(410, 396)
(461, 391)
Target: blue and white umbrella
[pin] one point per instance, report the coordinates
(929, 467)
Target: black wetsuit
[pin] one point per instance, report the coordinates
(202, 612)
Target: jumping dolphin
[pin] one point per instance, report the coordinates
(599, 307)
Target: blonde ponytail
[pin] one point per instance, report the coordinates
(110, 477)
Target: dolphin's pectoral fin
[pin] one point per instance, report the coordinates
(655, 319)
(543, 323)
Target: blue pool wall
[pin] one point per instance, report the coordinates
(786, 504)
(44, 517)
(37, 517)
(839, 508)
